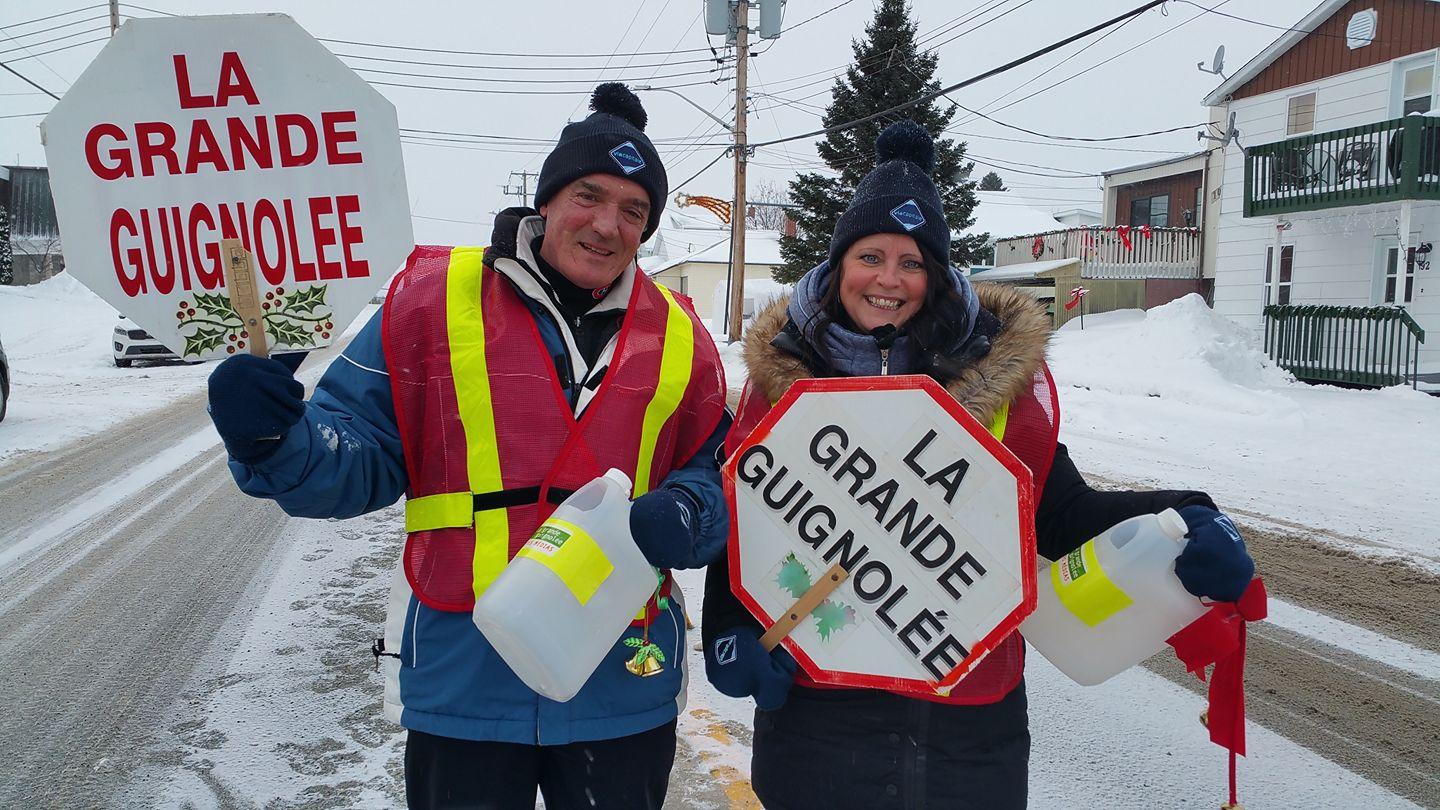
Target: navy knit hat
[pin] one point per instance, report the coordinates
(611, 141)
(897, 196)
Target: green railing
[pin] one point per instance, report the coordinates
(1367, 346)
(1391, 160)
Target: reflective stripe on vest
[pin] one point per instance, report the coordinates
(675, 359)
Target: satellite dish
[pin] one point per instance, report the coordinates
(1217, 64)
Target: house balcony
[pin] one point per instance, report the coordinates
(1388, 161)
(1110, 253)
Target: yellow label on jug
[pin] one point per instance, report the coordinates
(572, 554)
(1083, 587)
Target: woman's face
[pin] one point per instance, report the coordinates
(882, 280)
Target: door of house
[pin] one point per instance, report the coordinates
(1394, 279)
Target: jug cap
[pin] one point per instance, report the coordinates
(1173, 525)
(618, 476)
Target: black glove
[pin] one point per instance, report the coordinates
(1214, 564)
(739, 667)
(254, 401)
(665, 523)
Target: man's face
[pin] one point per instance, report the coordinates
(593, 228)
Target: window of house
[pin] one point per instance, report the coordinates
(1392, 262)
(1300, 118)
(1153, 211)
(1415, 89)
(1277, 286)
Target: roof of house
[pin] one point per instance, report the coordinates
(1265, 58)
(1021, 272)
(1004, 214)
(1155, 163)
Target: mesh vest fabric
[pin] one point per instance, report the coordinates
(481, 411)
(1032, 428)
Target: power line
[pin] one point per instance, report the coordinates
(1075, 138)
(841, 4)
(53, 16)
(27, 81)
(974, 79)
(24, 115)
(28, 45)
(56, 27)
(589, 82)
(584, 92)
(55, 50)
(1316, 30)
(428, 63)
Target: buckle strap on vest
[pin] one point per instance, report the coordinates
(457, 510)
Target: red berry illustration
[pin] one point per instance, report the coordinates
(325, 335)
(264, 306)
(190, 312)
(229, 349)
(269, 296)
(279, 290)
(232, 337)
(241, 344)
(183, 305)
(244, 333)
(329, 325)
(319, 328)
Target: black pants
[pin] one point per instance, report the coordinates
(627, 773)
(851, 748)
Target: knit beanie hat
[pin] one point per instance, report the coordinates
(611, 141)
(897, 196)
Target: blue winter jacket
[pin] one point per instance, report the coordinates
(345, 459)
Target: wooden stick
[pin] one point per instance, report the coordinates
(244, 295)
(808, 601)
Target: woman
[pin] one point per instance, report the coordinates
(886, 302)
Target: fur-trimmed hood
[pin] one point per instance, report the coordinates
(1002, 375)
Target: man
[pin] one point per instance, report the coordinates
(495, 383)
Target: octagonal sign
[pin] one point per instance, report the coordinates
(930, 515)
(187, 130)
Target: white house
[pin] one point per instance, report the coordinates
(691, 254)
(1330, 197)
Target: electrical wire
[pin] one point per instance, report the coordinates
(52, 16)
(28, 45)
(57, 27)
(28, 81)
(592, 68)
(56, 50)
(588, 82)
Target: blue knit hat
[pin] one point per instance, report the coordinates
(611, 141)
(897, 196)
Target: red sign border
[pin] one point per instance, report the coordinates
(1025, 494)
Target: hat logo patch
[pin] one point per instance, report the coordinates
(627, 157)
(908, 215)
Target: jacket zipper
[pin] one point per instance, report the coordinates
(884, 361)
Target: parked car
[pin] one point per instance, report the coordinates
(133, 343)
(4, 382)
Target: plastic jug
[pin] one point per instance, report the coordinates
(1113, 602)
(570, 591)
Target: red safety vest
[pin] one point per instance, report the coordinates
(1029, 427)
(491, 443)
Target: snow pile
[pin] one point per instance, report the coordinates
(759, 293)
(1182, 350)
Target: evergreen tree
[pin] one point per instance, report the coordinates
(992, 182)
(888, 70)
(7, 274)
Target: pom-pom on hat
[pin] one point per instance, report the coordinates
(897, 196)
(611, 141)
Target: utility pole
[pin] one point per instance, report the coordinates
(737, 215)
(114, 16)
(523, 190)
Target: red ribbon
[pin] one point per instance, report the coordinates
(1218, 638)
(1124, 231)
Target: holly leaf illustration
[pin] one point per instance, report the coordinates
(202, 340)
(216, 304)
(305, 300)
(634, 642)
(831, 616)
(793, 576)
(288, 332)
(657, 653)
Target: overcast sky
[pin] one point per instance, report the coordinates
(455, 187)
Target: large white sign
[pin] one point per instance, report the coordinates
(187, 130)
(930, 515)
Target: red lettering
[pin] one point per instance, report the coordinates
(188, 100)
(273, 267)
(164, 284)
(334, 137)
(216, 276)
(257, 145)
(203, 148)
(130, 285)
(147, 149)
(233, 81)
(169, 281)
(286, 122)
(228, 224)
(122, 166)
(324, 237)
(180, 252)
(304, 271)
(351, 235)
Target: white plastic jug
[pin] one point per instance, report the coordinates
(570, 592)
(1113, 602)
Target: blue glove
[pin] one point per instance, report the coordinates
(254, 401)
(739, 667)
(665, 523)
(1214, 563)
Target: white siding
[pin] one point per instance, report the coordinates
(1335, 258)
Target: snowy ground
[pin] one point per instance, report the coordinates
(289, 715)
